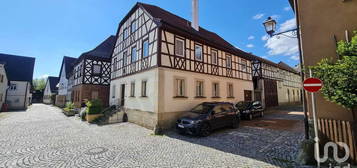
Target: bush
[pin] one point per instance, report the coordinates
(94, 107)
(69, 106)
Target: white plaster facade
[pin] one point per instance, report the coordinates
(18, 95)
(63, 82)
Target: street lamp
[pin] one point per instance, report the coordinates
(270, 28)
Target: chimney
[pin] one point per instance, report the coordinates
(194, 23)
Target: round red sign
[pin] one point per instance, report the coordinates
(312, 84)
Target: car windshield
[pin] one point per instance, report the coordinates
(243, 105)
(202, 108)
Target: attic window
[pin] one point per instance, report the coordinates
(97, 69)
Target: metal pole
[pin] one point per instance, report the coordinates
(304, 103)
(317, 149)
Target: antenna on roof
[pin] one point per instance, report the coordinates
(194, 23)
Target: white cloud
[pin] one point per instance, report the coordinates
(250, 45)
(283, 45)
(258, 16)
(287, 8)
(251, 37)
(295, 57)
(275, 16)
(265, 37)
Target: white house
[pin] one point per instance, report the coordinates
(162, 67)
(51, 89)
(3, 85)
(19, 71)
(64, 87)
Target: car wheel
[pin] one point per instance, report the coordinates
(205, 130)
(250, 117)
(262, 114)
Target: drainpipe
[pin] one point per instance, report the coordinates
(306, 120)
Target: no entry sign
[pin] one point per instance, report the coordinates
(312, 84)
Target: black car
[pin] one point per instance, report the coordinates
(250, 109)
(207, 116)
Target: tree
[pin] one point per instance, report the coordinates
(340, 77)
(39, 84)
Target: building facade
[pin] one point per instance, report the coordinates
(19, 71)
(162, 67)
(91, 74)
(64, 88)
(4, 84)
(51, 90)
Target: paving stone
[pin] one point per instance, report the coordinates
(43, 137)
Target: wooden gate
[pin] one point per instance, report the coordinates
(339, 131)
(270, 93)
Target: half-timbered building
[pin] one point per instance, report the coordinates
(275, 84)
(91, 74)
(162, 67)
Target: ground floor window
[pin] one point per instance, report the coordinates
(215, 89)
(180, 87)
(113, 91)
(199, 88)
(230, 90)
(132, 89)
(143, 88)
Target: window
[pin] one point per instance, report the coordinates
(214, 57)
(133, 26)
(96, 69)
(179, 47)
(145, 48)
(230, 90)
(1, 78)
(125, 33)
(115, 67)
(132, 89)
(215, 90)
(229, 61)
(13, 87)
(199, 89)
(244, 65)
(143, 88)
(0, 97)
(133, 54)
(125, 59)
(198, 52)
(113, 91)
(180, 87)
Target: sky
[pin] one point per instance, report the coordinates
(51, 29)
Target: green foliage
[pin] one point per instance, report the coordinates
(94, 107)
(69, 106)
(39, 84)
(340, 77)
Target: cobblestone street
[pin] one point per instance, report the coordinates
(43, 137)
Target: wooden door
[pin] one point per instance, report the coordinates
(270, 93)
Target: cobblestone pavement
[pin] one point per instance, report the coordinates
(43, 137)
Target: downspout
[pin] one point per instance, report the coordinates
(306, 120)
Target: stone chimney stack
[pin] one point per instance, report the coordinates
(194, 23)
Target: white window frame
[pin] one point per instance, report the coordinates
(201, 47)
(244, 65)
(131, 54)
(215, 90)
(229, 61)
(200, 88)
(183, 47)
(144, 84)
(214, 57)
(131, 26)
(230, 90)
(148, 51)
(132, 89)
(180, 88)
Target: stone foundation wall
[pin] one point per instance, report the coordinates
(143, 118)
(168, 120)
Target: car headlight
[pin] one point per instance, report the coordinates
(194, 121)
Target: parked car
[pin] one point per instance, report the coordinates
(250, 109)
(207, 116)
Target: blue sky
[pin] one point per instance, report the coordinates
(49, 29)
